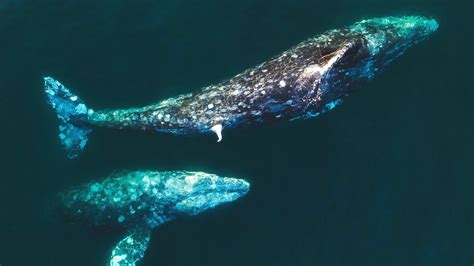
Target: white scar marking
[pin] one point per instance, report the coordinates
(218, 130)
(335, 58)
(311, 70)
(282, 83)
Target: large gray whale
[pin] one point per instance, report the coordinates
(143, 200)
(302, 82)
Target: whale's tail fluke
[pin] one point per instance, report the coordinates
(72, 114)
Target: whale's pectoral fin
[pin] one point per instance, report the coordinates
(218, 130)
(130, 249)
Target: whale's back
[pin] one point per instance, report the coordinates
(121, 199)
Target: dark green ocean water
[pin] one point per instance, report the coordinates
(385, 179)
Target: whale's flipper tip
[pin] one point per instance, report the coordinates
(218, 130)
(72, 114)
(130, 249)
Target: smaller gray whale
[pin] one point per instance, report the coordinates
(141, 201)
(302, 82)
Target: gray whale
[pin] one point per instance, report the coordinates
(143, 200)
(309, 79)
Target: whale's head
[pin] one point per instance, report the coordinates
(358, 52)
(381, 40)
(197, 191)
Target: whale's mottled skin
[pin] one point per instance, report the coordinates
(302, 82)
(143, 200)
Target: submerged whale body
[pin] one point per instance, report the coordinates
(141, 201)
(303, 82)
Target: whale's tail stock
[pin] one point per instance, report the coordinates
(72, 114)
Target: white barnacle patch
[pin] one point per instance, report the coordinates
(375, 42)
(117, 259)
(146, 182)
(294, 56)
(81, 108)
(264, 70)
(256, 113)
(95, 187)
(282, 83)
(191, 179)
(210, 106)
